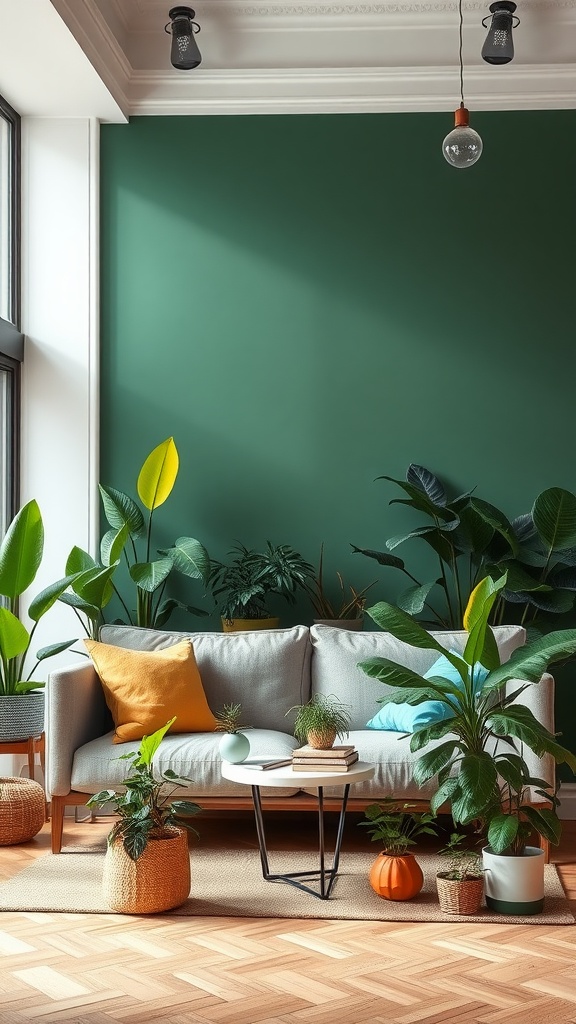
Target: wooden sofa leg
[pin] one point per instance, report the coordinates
(545, 845)
(57, 819)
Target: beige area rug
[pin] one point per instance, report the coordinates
(229, 883)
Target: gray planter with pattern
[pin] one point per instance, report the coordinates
(21, 716)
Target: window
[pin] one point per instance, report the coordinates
(11, 339)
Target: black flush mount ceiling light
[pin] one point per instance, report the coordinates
(184, 53)
(499, 45)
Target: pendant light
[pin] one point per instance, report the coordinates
(462, 147)
(499, 46)
(184, 53)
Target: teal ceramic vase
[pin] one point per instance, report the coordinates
(234, 747)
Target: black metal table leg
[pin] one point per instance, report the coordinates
(326, 877)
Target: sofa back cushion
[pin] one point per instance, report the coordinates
(267, 671)
(336, 653)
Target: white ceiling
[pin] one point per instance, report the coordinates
(275, 57)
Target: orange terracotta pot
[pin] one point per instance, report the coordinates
(396, 877)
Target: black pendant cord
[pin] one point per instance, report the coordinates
(461, 57)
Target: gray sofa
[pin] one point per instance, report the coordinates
(268, 671)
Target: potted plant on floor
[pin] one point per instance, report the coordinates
(396, 874)
(147, 864)
(234, 745)
(243, 586)
(461, 884)
(21, 696)
(345, 612)
(486, 736)
(320, 721)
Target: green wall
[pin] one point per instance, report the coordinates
(308, 302)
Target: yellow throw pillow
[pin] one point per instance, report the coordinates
(143, 689)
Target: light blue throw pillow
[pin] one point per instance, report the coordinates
(407, 718)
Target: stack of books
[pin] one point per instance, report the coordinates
(337, 759)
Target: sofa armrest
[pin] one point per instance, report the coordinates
(539, 698)
(76, 713)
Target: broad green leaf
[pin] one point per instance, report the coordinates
(93, 586)
(149, 575)
(185, 808)
(403, 627)
(158, 474)
(52, 649)
(120, 509)
(79, 561)
(429, 764)
(519, 722)
(502, 831)
(14, 637)
(477, 780)
(474, 533)
(497, 520)
(150, 744)
(517, 578)
(48, 597)
(21, 551)
(427, 482)
(524, 528)
(545, 821)
(564, 578)
(508, 767)
(393, 674)
(532, 660)
(113, 543)
(481, 645)
(443, 794)
(421, 531)
(190, 557)
(554, 515)
(556, 601)
(382, 557)
(413, 600)
(73, 601)
(28, 686)
(422, 737)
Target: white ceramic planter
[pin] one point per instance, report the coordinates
(514, 885)
(234, 747)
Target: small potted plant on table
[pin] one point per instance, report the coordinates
(320, 721)
(147, 864)
(396, 874)
(234, 745)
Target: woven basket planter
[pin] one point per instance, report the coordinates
(21, 716)
(457, 897)
(159, 880)
(22, 810)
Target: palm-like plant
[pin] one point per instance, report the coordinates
(252, 576)
(480, 766)
(471, 538)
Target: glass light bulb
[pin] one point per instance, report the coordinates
(462, 147)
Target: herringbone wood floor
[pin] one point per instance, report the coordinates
(87, 969)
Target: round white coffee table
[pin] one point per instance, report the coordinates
(326, 876)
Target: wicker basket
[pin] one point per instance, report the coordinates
(459, 897)
(22, 810)
(159, 880)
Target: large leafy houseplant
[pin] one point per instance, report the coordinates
(129, 540)
(480, 767)
(21, 554)
(146, 809)
(243, 586)
(471, 538)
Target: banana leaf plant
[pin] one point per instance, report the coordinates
(480, 765)
(471, 538)
(129, 542)
(20, 559)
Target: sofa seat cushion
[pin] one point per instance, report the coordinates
(97, 766)
(336, 653)
(267, 671)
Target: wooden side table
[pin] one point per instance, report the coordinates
(35, 745)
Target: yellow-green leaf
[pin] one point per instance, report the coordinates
(158, 474)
